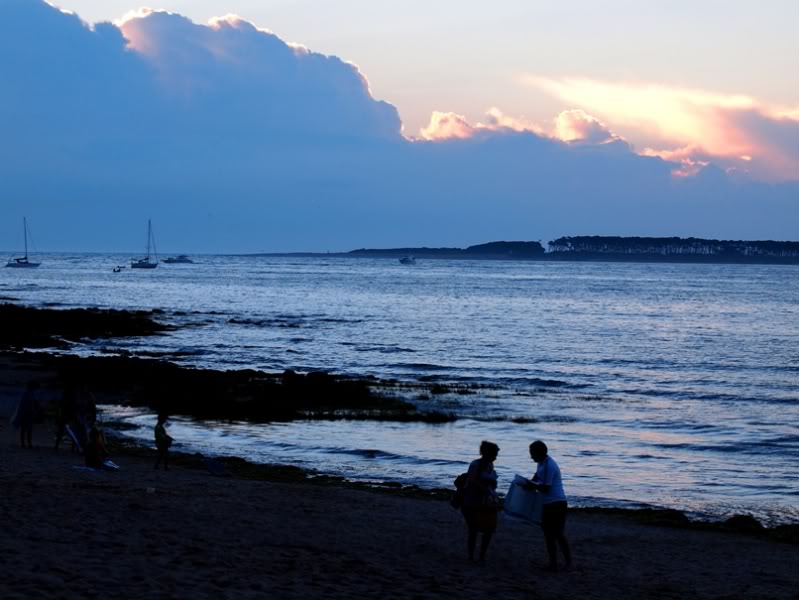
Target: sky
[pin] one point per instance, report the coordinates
(257, 125)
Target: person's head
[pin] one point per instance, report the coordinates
(489, 450)
(538, 451)
(162, 417)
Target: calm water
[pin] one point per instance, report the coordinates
(670, 385)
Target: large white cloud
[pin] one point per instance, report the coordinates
(233, 140)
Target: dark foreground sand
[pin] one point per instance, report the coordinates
(68, 533)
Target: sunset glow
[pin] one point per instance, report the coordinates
(677, 122)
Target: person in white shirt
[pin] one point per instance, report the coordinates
(547, 480)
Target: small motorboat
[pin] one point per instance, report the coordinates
(407, 260)
(180, 259)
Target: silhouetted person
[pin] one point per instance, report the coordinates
(480, 499)
(25, 416)
(66, 413)
(86, 407)
(162, 442)
(547, 480)
(96, 452)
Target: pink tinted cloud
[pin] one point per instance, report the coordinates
(450, 125)
(578, 126)
(734, 131)
(447, 125)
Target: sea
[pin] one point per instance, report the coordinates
(654, 385)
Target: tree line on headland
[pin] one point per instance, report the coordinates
(666, 246)
(595, 247)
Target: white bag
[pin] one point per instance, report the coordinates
(523, 504)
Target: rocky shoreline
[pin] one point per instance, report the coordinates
(164, 386)
(159, 385)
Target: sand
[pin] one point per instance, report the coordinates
(184, 533)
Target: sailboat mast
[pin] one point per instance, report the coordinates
(25, 234)
(149, 237)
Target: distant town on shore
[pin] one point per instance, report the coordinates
(604, 248)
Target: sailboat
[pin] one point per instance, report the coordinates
(147, 262)
(23, 262)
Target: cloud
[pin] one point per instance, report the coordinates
(447, 125)
(233, 140)
(738, 131)
(578, 126)
(450, 125)
(239, 70)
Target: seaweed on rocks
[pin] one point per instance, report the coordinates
(241, 395)
(201, 393)
(28, 327)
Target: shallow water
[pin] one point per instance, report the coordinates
(672, 385)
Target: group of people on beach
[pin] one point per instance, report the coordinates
(76, 420)
(76, 416)
(479, 502)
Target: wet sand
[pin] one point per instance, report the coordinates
(145, 533)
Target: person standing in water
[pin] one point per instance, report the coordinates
(480, 499)
(547, 480)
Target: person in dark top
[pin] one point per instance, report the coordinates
(547, 480)
(25, 416)
(480, 499)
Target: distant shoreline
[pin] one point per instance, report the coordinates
(594, 249)
(396, 254)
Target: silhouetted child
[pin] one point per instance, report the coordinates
(162, 442)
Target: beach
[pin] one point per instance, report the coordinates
(145, 533)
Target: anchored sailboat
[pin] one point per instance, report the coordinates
(23, 262)
(147, 262)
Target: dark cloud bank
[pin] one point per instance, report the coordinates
(232, 140)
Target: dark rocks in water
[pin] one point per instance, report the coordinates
(743, 523)
(23, 326)
(246, 395)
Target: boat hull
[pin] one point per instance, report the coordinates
(27, 265)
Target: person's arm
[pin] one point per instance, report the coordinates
(539, 486)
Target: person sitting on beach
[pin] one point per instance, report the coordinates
(96, 452)
(480, 499)
(547, 480)
(162, 442)
(25, 416)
